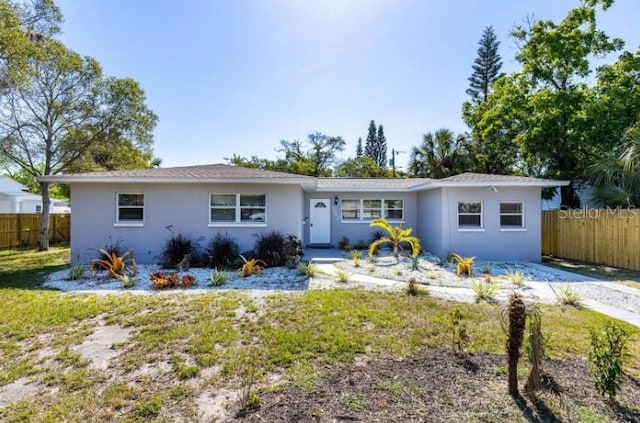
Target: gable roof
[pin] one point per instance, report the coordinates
(10, 186)
(203, 174)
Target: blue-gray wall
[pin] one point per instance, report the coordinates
(360, 231)
(184, 206)
(492, 243)
(430, 220)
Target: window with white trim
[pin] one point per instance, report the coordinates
(470, 215)
(367, 209)
(130, 207)
(237, 208)
(512, 214)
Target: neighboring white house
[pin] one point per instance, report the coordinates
(487, 216)
(15, 199)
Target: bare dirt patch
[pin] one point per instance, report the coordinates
(99, 346)
(437, 386)
(218, 406)
(17, 390)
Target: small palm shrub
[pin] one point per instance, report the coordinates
(270, 249)
(342, 276)
(218, 278)
(607, 357)
(464, 265)
(307, 269)
(397, 236)
(568, 297)
(223, 252)
(251, 267)
(459, 334)
(360, 245)
(174, 249)
(516, 313)
(483, 290)
(115, 265)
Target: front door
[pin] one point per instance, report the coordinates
(320, 221)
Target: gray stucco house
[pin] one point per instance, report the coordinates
(487, 216)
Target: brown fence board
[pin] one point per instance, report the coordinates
(21, 230)
(602, 236)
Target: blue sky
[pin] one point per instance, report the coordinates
(238, 76)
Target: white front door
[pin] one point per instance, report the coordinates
(320, 221)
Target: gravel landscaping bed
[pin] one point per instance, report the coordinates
(431, 272)
(276, 278)
(607, 294)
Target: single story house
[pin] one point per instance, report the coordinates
(15, 199)
(487, 216)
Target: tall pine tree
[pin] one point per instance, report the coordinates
(359, 148)
(382, 148)
(370, 144)
(486, 67)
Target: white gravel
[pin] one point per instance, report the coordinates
(389, 274)
(276, 278)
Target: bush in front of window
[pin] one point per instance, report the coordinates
(175, 248)
(293, 251)
(223, 252)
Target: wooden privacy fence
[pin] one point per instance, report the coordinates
(21, 230)
(603, 236)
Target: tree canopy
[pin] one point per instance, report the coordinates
(63, 114)
(441, 154)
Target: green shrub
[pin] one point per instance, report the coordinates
(148, 408)
(342, 276)
(607, 356)
(127, 281)
(218, 278)
(459, 335)
(223, 252)
(517, 278)
(486, 269)
(356, 257)
(270, 248)
(569, 297)
(76, 272)
(343, 244)
(293, 251)
(307, 269)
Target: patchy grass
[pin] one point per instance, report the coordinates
(626, 277)
(182, 347)
(28, 268)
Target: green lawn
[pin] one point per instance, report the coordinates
(213, 341)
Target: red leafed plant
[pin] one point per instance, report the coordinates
(163, 280)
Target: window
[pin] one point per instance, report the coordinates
(470, 215)
(38, 208)
(512, 215)
(130, 208)
(237, 208)
(369, 209)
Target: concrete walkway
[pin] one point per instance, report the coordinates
(540, 291)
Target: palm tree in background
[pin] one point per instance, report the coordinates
(441, 154)
(616, 178)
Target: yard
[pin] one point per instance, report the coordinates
(332, 355)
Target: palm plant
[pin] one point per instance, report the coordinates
(396, 235)
(616, 178)
(441, 154)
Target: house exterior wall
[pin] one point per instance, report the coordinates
(430, 220)
(184, 206)
(359, 231)
(492, 242)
